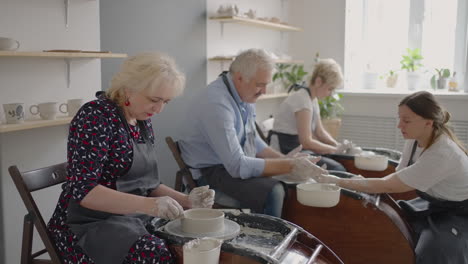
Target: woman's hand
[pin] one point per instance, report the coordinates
(326, 178)
(202, 197)
(164, 207)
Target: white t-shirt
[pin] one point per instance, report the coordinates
(441, 171)
(285, 118)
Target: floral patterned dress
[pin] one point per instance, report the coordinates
(99, 151)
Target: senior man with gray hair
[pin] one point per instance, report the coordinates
(220, 145)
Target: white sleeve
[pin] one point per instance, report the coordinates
(427, 171)
(300, 102)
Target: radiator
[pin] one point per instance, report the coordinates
(369, 131)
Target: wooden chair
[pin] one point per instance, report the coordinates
(26, 183)
(184, 180)
(183, 176)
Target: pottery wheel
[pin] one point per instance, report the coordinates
(231, 230)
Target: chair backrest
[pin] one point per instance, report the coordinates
(26, 183)
(261, 134)
(184, 173)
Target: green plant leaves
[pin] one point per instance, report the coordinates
(289, 74)
(412, 60)
(330, 106)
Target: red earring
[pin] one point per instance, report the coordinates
(127, 103)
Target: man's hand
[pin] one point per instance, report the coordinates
(304, 169)
(296, 153)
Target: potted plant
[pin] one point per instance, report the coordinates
(439, 80)
(289, 74)
(330, 113)
(411, 62)
(391, 79)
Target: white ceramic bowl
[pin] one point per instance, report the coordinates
(371, 162)
(202, 220)
(318, 194)
(203, 250)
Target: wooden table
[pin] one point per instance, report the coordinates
(369, 229)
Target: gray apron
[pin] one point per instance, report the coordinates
(251, 193)
(106, 237)
(440, 227)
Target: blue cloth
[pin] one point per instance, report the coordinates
(213, 132)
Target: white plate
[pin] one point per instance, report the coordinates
(231, 230)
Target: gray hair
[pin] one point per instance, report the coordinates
(146, 71)
(248, 62)
(329, 71)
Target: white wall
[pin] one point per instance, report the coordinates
(39, 25)
(234, 38)
(166, 26)
(324, 32)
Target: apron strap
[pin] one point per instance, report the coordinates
(413, 150)
(297, 87)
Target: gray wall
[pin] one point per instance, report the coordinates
(175, 27)
(2, 228)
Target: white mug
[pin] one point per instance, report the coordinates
(9, 44)
(14, 113)
(47, 111)
(71, 107)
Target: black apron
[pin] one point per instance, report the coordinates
(447, 241)
(251, 193)
(107, 237)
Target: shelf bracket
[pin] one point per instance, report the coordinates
(222, 29)
(67, 63)
(66, 3)
(222, 66)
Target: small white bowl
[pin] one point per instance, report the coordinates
(318, 194)
(371, 162)
(202, 220)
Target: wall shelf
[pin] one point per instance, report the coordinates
(67, 55)
(231, 58)
(31, 124)
(272, 96)
(71, 54)
(256, 23)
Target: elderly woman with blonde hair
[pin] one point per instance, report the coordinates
(113, 187)
(297, 121)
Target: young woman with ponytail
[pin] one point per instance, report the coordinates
(435, 164)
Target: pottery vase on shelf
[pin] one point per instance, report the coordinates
(392, 81)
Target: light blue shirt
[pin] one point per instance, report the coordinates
(213, 132)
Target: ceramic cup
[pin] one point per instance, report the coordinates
(14, 113)
(8, 44)
(203, 250)
(71, 107)
(47, 111)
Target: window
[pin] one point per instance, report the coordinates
(378, 32)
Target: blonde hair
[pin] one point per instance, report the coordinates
(329, 71)
(145, 71)
(248, 62)
(425, 105)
